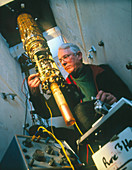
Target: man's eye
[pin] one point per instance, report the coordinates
(66, 56)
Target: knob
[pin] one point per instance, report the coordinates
(24, 150)
(39, 155)
(31, 162)
(51, 162)
(62, 161)
(27, 143)
(49, 150)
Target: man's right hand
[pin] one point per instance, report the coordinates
(33, 83)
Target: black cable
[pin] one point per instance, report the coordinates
(25, 125)
(26, 104)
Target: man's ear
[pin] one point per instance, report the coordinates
(79, 55)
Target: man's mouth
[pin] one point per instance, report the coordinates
(67, 67)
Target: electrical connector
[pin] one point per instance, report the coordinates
(33, 137)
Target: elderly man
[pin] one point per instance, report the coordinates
(88, 80)
(70, 57)
(91, 80)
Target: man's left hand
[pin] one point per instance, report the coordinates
(106, 97)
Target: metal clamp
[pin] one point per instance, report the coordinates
(11, 95)
(93, 49)
(101, 107)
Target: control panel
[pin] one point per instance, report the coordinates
(45, 153)
(25, 154)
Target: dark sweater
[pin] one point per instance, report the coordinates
(105, 79)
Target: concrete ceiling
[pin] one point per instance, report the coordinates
(39, 9)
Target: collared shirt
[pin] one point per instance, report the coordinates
(84, 79)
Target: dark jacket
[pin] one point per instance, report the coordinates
(105, 79)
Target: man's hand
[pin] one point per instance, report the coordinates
(106, 97)
(33, 83)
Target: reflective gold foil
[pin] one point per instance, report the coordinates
(37, 49)
(62, 104)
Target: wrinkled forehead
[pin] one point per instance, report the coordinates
(62, 52)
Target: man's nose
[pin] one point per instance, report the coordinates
(63, 63)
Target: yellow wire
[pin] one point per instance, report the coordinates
(45, 130)
(50, 116)
(82, 134)
(58, 140)
(91, 149)
(78, 128)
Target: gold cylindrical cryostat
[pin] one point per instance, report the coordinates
(62, 104)
(37, 49)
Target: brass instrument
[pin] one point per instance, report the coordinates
(37, 49)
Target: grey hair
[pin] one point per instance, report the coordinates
(74, 48)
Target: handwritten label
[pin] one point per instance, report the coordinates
(112, 159)
(123, 145)
(126, 145)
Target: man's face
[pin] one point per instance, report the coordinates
(70, 61)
